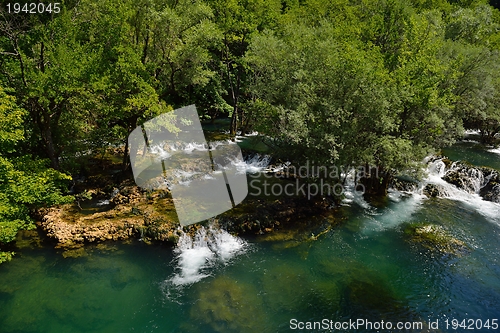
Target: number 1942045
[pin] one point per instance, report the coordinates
(33, 8)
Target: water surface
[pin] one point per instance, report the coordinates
(362, 267)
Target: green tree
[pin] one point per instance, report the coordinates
(43, 63)
(25, 184)
(322, 98)
(377, 96)
(473, 49)
(238, 22)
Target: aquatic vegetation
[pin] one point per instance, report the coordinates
(88, 296)
(435, 238)
(74, 253)
(286, 287)
(359, 288)
(228, 305)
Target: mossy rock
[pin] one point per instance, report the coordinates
(28, 239)
(435, 238)
(227, 305)
(286, 287)
(359, 287)
(75, 253)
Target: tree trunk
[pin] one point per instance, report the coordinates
(125, 156)
(50, 148)
(234, 121)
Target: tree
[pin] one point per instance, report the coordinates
(238, 22)
(43, 62)
(474, 50)
(25, 184)
(323, 99)
(376, 96)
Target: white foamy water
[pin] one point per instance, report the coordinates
(495, 151)
(196, 256)
(472, 132)
(396, 214)
(106, 202)
(192, 146)
(160, 152)
(409, 203)
(254, 164)
(351, 195)
(240, 138)
(164, 150)
(476, 180)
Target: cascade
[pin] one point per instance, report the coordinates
(196, 255)
(470, 181)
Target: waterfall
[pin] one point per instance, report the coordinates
(351, 194)
(196, 255)
(470, 180)
(256, 163)
(495, 150)
(458, 181)
(106, 202)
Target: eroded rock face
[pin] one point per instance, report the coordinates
(69, 232)
(467, 177)
(472, 179)
(433, 190)
(403, 185)
(491, 191)
(151, 216)
(482, 180)
(265, 216)
(135, 214)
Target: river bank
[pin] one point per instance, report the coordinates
(124, 211)
(407, 257)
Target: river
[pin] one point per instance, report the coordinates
(364, 269)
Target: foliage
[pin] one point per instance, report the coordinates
(25, 183)
(379, 83)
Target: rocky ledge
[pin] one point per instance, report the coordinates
(150, 216)
(482, 180)
(132, 213)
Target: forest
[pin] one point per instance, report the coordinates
(341, 82)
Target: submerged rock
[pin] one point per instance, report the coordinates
(435, 238)
(227, 305)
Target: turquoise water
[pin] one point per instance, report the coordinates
(474, 153)
(362, 267)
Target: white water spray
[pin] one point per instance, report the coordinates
(472, 182)
(196, 256)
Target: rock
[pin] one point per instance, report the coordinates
(491, 191)
(403, 185)
(482, 180)
(431, 190)
(435, 238)
(227, 305)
